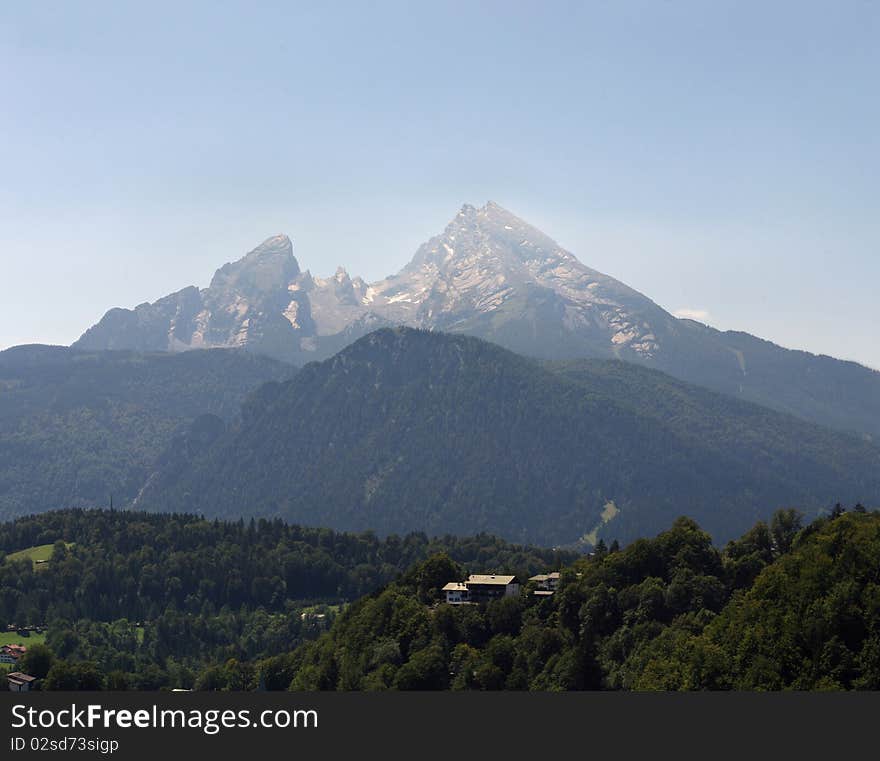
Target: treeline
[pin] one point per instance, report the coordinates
(176, 650)
(79, 426)
(781, 608)
(156, 597)
(786, 606)
(108, 565)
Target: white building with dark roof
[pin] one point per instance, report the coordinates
(456, 593)
(481, 587)
(19, 682)
(545, 583)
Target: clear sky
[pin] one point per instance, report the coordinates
(721, 157)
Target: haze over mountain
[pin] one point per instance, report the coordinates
(419, 430)
(491, 275)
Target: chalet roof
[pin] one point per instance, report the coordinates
(455, 586)
(19, 678)
(545, 576)
(477, 578)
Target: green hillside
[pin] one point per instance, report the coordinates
(152, 601)
(409, 430)
(14, 638)
(780, 608)
(76, 427)
(159, 598)
(40, 553)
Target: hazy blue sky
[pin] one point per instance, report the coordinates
(721, 157)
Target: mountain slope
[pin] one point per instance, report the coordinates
(489, 274)
(413, 430)
(78, 426)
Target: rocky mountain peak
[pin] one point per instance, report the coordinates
(276, 244)
(494, 211)
(490, 231)
(270, 266)
(487, 272)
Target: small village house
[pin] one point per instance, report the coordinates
(481, 588)
(11, 653)
(456, 593)
(19, 682)
(545, 584)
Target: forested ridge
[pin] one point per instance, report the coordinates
(780, 608)
(155, 598)
(143, 601)
(409, 430)
(412, 430)
(77, 427)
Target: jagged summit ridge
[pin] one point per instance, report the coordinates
(252, 303)
(488, 273)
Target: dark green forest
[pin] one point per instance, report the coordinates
(413, 430)
(153, 598)
(783, 607)
(77, 427)
(435, 435)
(139, 601)
(409, 430)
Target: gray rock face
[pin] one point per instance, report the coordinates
(258, 303)
(491, 275)
(488, 273)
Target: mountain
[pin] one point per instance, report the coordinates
(253, 303)
(416, 430)
(490, 275)
(76, 426)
